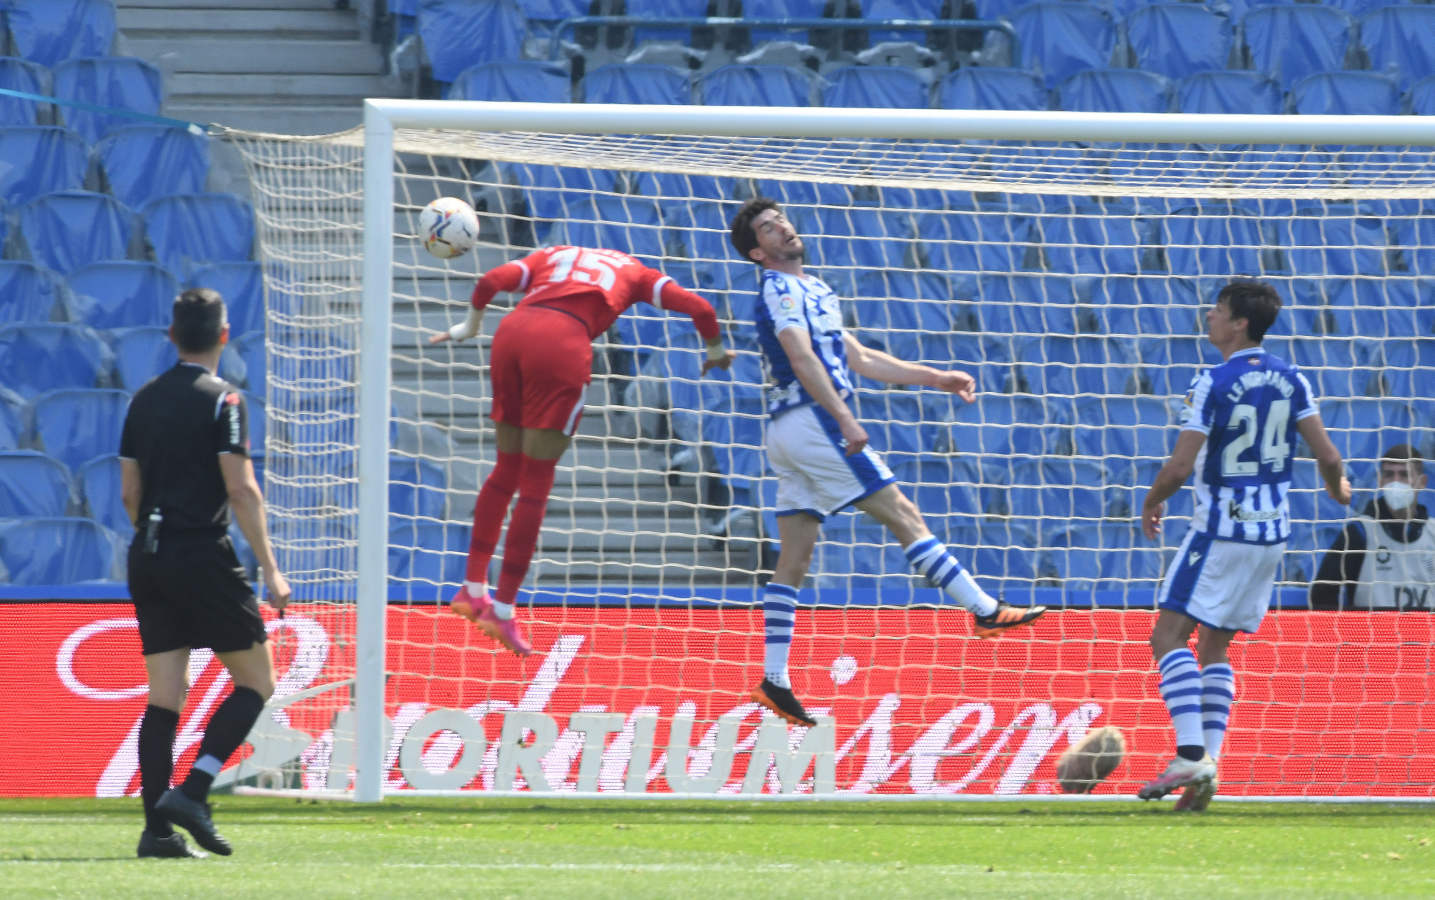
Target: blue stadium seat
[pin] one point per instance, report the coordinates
(900, 9)
(39, 357)
(99, 488)
(1060, 39)
(1023, 303)
(30, 293)
(250, 349)
(1406, 367)
(49, 31)
(258, 429)
(740, 85)
(884, 87)
(1093, 237)
(27, 78)
(943, 487)
(733, 413)
(1229, 92)
(33, 484)
(518, 80)
(1005, 558)
(619, 222)
(122, 294)
(142, 162)
(1170, 364)
(75, 425)
(40, 160)
(143, 352)
(1379, 308)
(637, 83)
(700, 227)
(864, 237)
(1115, 90)
(457, 34)
(1147, 305)
(70, 229)
(903, 301)
(45, 551)
(1000, 425)
(121, 82)
(242, 286)
(1178, 39)
(1077, 366)
(1400, 41)
(976, 87)
(434, 552)
(187, 231)
(416, 488)
(986, 240)
(1420, 98)
(1363, 427)
(1101, 556)
(1213, 239)
(1415, 238)
(1330, 238)
(1290, 42)
(1335, 367)
(548, 190)
(14, 420)
(782, 9)
(665, 9)
(1131, 427)
(1346, 94)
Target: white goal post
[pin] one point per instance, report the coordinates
(1059, 234)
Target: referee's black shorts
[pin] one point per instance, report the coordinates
(193, 593)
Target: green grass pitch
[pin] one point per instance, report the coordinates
(530, 848)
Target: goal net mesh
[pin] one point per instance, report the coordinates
(1070, 280)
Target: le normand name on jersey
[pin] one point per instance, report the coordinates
(1258, 379)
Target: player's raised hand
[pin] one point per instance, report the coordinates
(722, 362)
(957, 382)
(1151, 519)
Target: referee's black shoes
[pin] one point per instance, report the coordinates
(171, 846)
(193, 817)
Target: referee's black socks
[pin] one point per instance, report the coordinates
(227, 729)
(156, 749)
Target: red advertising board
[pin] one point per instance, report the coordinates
(1328, 704)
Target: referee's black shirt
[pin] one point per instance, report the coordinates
(176, 427)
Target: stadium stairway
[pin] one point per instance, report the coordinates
(281, 66)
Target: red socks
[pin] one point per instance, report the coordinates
(489, 512)
(535, 481)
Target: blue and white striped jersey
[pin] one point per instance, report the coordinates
(806, 302)
(1248, 408)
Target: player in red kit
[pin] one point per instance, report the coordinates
(540, 364)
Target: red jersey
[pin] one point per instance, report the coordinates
(594, 286)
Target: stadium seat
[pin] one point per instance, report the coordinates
(45, 551)
(700, 227)
(1115, 90)
(943, 487)
(784, 9)
(457, 34)
(886, 87)
(70, 229)
(1178, 39)
(416, 488)
(433, 552)
(637, 83)
(1103, 236)
(14, 420)
(1213, 239)
(1405, 367)
(30, 293)
(40, 357)
(258, 420)
(27, 78)
(120, 82)
(1400, 41)
(1346, 94)
(241, 284)
(861, 236)
(250, 349)
(1229, 93)
(40, 160)
(187, 231)
(99, 487)
(621, 222)
(739, 85)
(1027, 303)
(1290, 42)
(901, 9)
(903, 301)
(75, 425)
(1133, 427)
(665, 9)
(1060, 39)
(518, 80)
(1334, 366)
(1170, 364)
(1363, 427)
(977, 87)
(50, 31)
(122, 294)
(33, 484)
(143, 352)
(1077, 365)
(734, 411)
(1146, 305)
(1420, 99)
(1005, 555)
(1329, 238)
(548, 191)
(142, 162)
(985, 240)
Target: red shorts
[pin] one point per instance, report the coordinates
(540, 365)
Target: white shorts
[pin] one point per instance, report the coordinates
(1221, 584)
(814, 476)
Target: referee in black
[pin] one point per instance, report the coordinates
(184, 464)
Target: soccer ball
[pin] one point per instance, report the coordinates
(448, 227)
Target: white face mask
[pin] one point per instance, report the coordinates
(1397, 495)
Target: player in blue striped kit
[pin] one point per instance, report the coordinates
(819, 449)
(1239, 440)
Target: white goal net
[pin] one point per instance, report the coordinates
(1065, 260)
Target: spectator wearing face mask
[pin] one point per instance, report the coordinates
(1385, 556)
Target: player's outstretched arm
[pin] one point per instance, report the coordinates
(1169, 480)
(510, 276)
(880, 366)
(676, 298)
(1327, 458)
